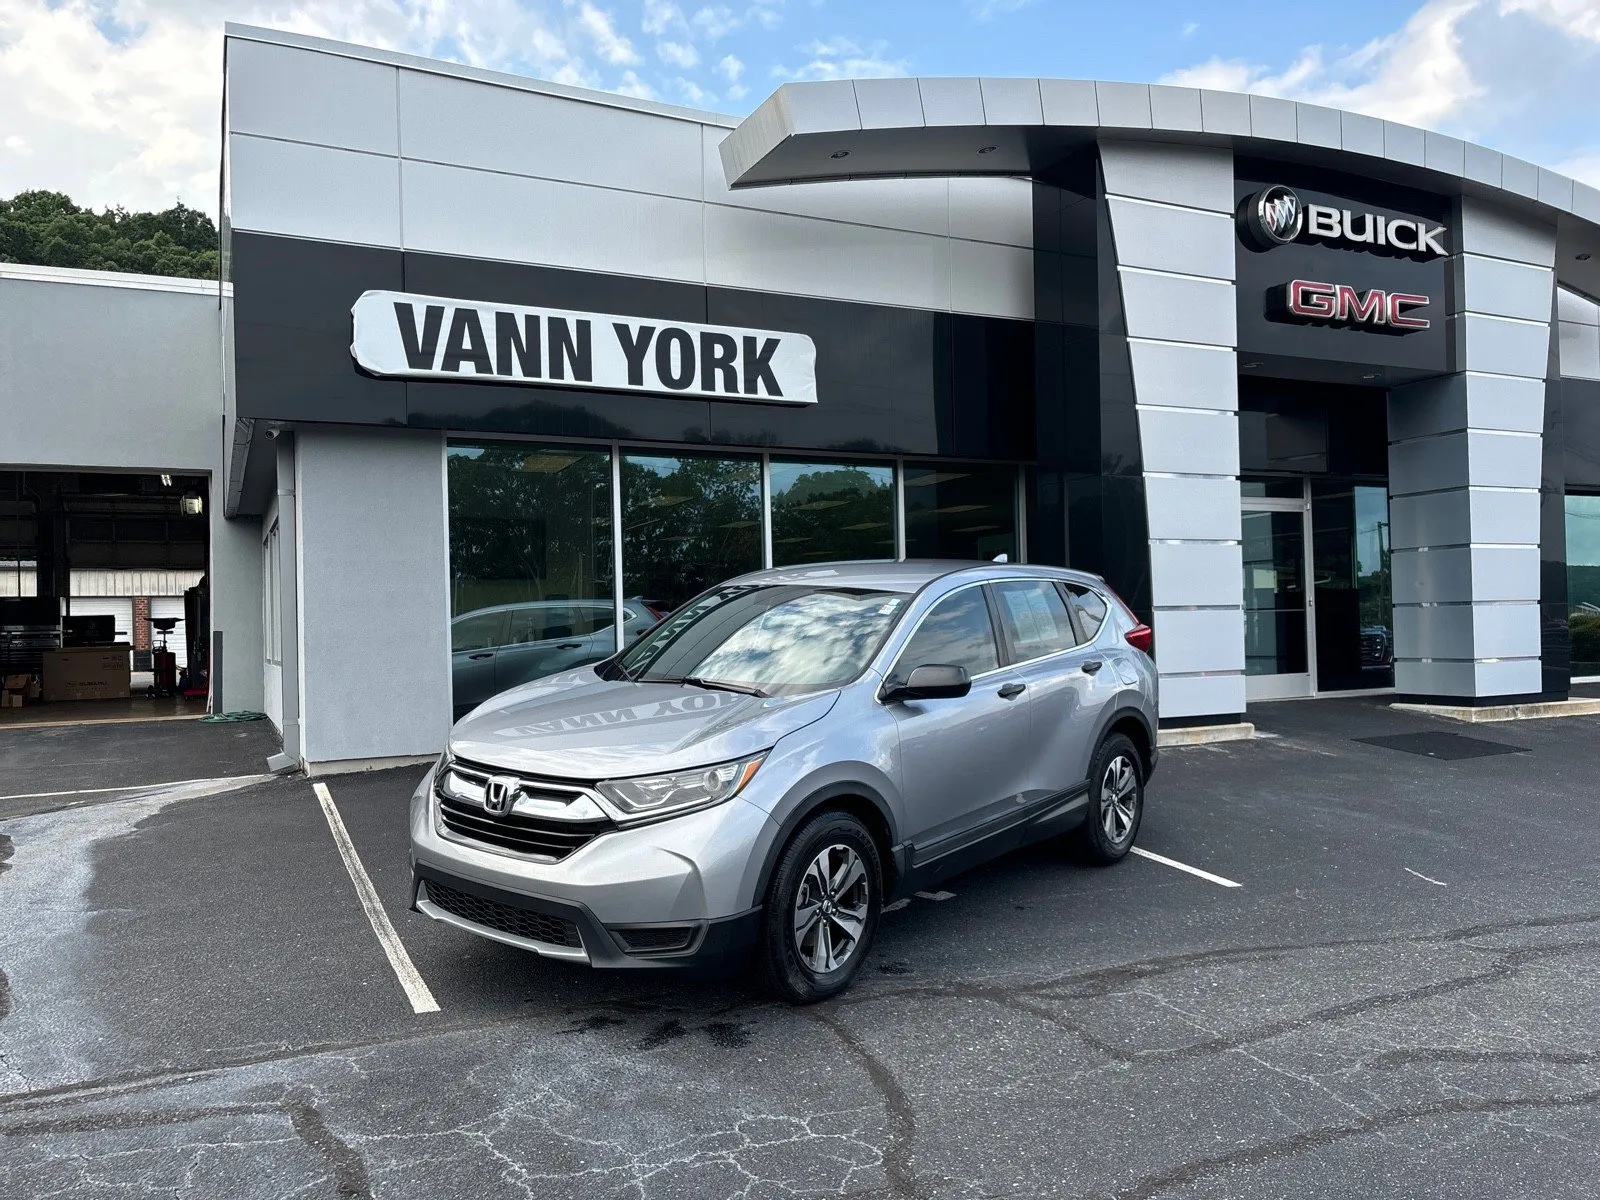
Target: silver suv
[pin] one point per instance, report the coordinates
(781, 757)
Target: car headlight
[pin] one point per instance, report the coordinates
(682, 791)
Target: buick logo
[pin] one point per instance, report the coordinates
(500, 793)
(1272, 217)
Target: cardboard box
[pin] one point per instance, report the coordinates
(15, 683)
(87, 673)
(10, 699)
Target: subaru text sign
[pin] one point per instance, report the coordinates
(398, 335)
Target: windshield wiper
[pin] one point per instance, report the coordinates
(742, 688)
(715, 685)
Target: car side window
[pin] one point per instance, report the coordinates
(476, 631)
(956, 632)
(596, 617)
(1035, 618)
(1090, 609)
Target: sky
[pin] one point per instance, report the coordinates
(116, 102)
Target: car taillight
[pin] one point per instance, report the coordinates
(1141, 637)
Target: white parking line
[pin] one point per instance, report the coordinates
(1172, 862)
(405, 970)
(136, 787)
(1420, 875)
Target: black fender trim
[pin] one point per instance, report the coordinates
(894, 861)
(1144, 723)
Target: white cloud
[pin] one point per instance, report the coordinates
(716, 21)
(118, 99)
(631, 85)
(730, 68)
(1189, 29)
(1416, 75)
(660, 16)
(692, 93)
(679, 54)
(602, 30)
(1580, 18)
(987, 10)
(843, 58)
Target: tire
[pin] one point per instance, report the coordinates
(1116, 802)
(806, 960)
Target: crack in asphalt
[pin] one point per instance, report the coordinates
(31, 1111)
(1263, 1152)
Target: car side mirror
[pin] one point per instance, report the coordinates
(935, 681)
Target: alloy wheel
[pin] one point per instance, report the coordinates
(830, 908)
(1119, 799)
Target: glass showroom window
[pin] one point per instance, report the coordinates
(1583, 583)
(957, 511)
(688, 521)
(828, 511)
(530, 564)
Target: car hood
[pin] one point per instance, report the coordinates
(577, 725)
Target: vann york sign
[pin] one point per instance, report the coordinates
(397, 335)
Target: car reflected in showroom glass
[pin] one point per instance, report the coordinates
(530, 563)
(758, 775)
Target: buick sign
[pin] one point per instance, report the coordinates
(397, 335)
(1275, 216)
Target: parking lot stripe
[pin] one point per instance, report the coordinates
(1174, 863)
(405, 970)
(1429, 878)
(137, 787)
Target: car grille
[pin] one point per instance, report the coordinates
(520, 922)
(520, 833)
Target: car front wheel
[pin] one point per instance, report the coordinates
(822, 909)
(1116, 801)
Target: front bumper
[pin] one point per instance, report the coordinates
(674, 893)
(564, 930)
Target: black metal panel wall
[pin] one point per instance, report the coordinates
(890, 380)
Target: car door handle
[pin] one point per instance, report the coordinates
(1008, 690)
(1093, 665)
(483, 654)
(570, 646)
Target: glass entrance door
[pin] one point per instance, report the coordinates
(1278, 604)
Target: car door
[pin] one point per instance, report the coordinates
(1042, 646)
(1099, 683)
(543, 639)
(962, 761)
(475, 640)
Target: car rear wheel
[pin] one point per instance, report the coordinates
(822, 909)
(1116, 801)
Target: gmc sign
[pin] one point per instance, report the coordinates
(1311, 302)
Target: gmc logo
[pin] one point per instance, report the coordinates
(1309, 302)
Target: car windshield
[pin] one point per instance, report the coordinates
(773, 640)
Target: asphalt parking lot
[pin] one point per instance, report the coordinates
(1400, 998)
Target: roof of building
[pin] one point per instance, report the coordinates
(888, 128)
(112, 279)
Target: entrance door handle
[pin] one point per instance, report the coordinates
(1093, 665)
(1009, 690)
(482, 654)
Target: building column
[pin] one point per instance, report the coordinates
(1170, 212)
(1465, 454)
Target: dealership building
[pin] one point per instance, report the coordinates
(499, 370)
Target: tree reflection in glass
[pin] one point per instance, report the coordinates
(689, 522)
(831, 512)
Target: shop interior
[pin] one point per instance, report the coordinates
(103, 596)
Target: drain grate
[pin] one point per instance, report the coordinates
(1447, 746)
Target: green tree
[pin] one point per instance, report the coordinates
(48, 229)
